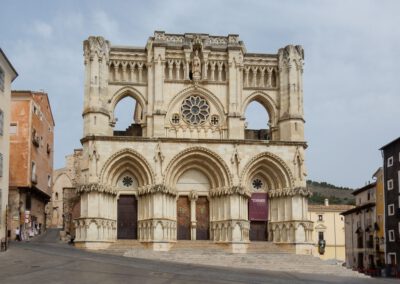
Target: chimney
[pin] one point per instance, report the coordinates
(326, 202)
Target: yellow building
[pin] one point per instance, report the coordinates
(329, 226)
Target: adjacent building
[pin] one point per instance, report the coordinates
(391, 181)
(64, 203)
(361, 230)
(31, 161)
(7, 75)
(187, 168)
(329, 226)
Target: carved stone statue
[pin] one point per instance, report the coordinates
(196, 66)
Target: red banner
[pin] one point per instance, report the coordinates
(258, 207)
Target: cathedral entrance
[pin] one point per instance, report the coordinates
(258, 217)
(127, 217)
(202, 218)
(183, 218)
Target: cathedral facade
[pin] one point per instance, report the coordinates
(188, 168)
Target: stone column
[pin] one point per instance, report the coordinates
(193, 220)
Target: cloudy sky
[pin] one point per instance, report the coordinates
(352, 48)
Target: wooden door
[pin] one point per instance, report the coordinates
(127, 217)
(258, 231)
(203, 218)
(183, 218)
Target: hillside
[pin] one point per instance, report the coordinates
(335, 194)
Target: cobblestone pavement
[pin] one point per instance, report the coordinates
(40, 262)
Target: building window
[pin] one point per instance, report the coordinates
(49, 180)
(391, 258)
(13, 128)
(1, 122)
(1, 165)
(390, 184)
(175, 119)
(391, 209)
(257, 184)
(1, 79)
(214, 120)
(391, 235)
(390, 161)
(320, 236)
(195, 110)
(34, 177)
(320, 218)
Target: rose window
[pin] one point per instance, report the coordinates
(127, 181)
(257, 183)
(195, 110)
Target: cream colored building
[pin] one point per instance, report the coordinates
(7, 75)
(329, 226)
(188, 168)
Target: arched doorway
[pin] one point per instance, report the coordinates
(266, 175)
(258, 210)
(193, 209)
(127, 217)
(127, 209)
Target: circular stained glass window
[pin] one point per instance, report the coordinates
(195, 110)
(257, 183)
(127, 181)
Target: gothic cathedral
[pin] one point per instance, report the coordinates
(188, 167)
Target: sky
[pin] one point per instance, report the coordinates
(351, 77)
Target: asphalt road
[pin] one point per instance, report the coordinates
(42, 262)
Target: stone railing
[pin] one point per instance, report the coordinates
(260, 76)
(128, 71)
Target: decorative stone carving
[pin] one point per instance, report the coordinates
(193, 195)
(96, 45)
(196, 66)
(91, 187)
(94, 157)
(222, 191)
(158, 188)
(302, 191)
(195, 110)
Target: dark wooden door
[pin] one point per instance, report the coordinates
(258, 231)
(127, 217)
(203, 218)
(183, 218)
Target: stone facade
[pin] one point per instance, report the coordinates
(64, 200)
(185, 161)
(7, 75)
